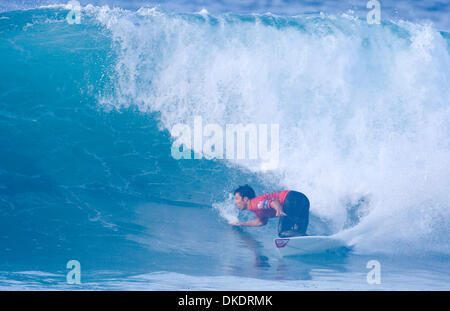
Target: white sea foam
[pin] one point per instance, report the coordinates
(227, 210)
(363, 109)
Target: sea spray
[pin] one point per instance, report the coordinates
(363, 109)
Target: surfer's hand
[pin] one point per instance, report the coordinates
(235, 223)
(280, 213)
(278, 208)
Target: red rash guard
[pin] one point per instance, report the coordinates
(261, 204)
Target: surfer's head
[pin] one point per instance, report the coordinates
(243, 195)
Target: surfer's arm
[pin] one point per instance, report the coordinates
(277, 207)
(251, 223)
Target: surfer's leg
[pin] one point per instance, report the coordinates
(289, 225)
(302, 219)
(285, 226)
(296, 206)
(286, 223)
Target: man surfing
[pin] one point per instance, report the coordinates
(291, 206)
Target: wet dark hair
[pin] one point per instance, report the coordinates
(245, 191)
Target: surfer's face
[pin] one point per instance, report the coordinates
(240, 202)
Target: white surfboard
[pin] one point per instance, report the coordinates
(303, 245)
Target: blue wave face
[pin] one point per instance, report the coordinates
(69, 170)
(86, 110)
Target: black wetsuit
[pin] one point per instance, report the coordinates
(296, 208)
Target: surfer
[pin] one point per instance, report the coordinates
(291, 206)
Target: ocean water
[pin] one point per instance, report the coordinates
(87, 174)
